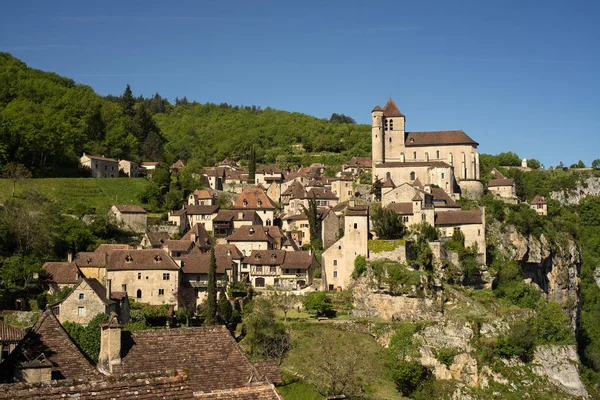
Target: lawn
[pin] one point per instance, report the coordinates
(68, 192)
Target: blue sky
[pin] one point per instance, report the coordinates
(518, 76)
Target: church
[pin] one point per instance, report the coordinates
(446, 159)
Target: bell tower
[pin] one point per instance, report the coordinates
(377, 137)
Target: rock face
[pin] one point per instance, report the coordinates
(589, 186)
(554, 270)
(560, 365)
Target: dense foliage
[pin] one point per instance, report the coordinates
(87, 337)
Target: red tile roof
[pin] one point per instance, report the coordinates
(295, 190)
(458, 217)
(538, 200)
(391, 109)
(151, 259)
(250, 233)
(10, 334)
(286, 259)
(437, 138)
(62, 273)
(254, 198)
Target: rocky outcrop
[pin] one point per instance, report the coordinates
(560, 364)
(553, 269)
(586, 187)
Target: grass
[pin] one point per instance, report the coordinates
(294, 389)
(378, 245)
(97, 193)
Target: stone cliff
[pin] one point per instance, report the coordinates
(587, 186)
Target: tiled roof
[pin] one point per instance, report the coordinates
(388, 184)
(157, 238)
(438, 138)
(108, 247)
(360, 162)
(209, 354)
(198, 263)
(441, 199)
(10, 334)
(377, 108)
(270, 369)
(286, 259)
(321, 194)
(497, 174)
(49, 338)
(402, 208)
(417, 183)
(202, 194)
(274, 231)
(500, 182)
(391, 109)
(235, 215)
(202, 237)
(295, 190)
(252, 197)
(178, 213)
(179, 245)
(62, 273)
(100, 158)
(223, 249)
(458, 217)
(130, 208)
(359, 210)
(298, 260)
(538, 200)
(268, 169)
(90, 259)
(291, 243)
(417, 197)
(202, 210)
(98, 288)
(152, 259)
(414, 164)
(250, 233)
(177, 165)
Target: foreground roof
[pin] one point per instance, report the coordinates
(62, 273)
(459, 217)
(10, 333)
(254, 198)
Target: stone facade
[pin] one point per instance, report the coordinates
(132, 216)
(83, 304)
(100, 167)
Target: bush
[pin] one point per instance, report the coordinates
(360, 267)
(519, 342)
(550, 326)
(387, 224)
(318, 302)
(446, 355)
(407, 376)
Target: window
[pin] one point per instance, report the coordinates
(423, 217)
(355, 226)
(413, 176)
(81, 296)
(390, 140)
(442, 175)
(259, 269)
(139, 275)
(414, 155)
(391, 125)
(330, 287)
(437, 154)
(139, 294)
(245, 203)
(166, 277)
(123, 288)
(80, 311)
(388, 175)
(386, 124)
(334, 262)
(259, 282)
(161, 292)
(273, 269)
(335, 274)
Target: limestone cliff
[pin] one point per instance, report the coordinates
(587, 186)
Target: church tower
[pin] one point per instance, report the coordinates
(377, 136)
(393, 132)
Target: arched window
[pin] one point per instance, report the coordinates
(414, 155)
(426, 156)
(413, 176)
(139, 294)
(387, 175)
(390, 140)
(268, 222)
(259, 282)
(402, 158)
(386, 125)
(437, 154)
(391, 124)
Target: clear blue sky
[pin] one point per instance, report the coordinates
(520, 76)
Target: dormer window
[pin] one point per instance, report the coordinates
(259, 202)
(245, 203)
(273, 256)
(128, 258)
(257, 256)
(251, 230)
(158, 258)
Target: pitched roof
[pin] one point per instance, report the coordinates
(391, 109)
(414, 164)
(235, 215)
(157, 238)
(417, 183)
(201, 236)
(209, 354)
(197, 262)
(298, 260)
(441, 199)
(250, 233)
(151, 259)
(178, 164)
(295, 190)
(538, 200)
(254, 198)
(130, 208)
(270, 369)
(97, 288)
(377, 108)
(458, 217)
(274, 231)
(388, 183)
(179, 245)
(438, 138)
(229, 250)
(360, 162)
(99, 158)
(265, 257)
(358, 211)
(321, 193)
(10, 333)
(202, 194)
(150, 163)
(48, 338)
(268, 169)
(62, 273)
(193, 209)
(402, 208)
(500, 182)
(497, 174)
(98, 257)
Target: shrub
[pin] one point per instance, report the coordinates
(446, 355)
(551, 326)
(318, 302)
(387, 224)
(407, 376)
(360, 267)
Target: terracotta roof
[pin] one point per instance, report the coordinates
(391, 109)
(100, 158)
(414, 164)
(295, 190)
(358, 210)
(234, 252)
(197, 262)
(62, 273)
(402, 208)
(50, 339)
(441, 199)
(209, 354)
(377, 108)
(202, 194)
(252, 197)
(235, 215)
(268, 169)
(388, 184)
(130, 208)
(458, 217)
(10, 334)
(360, 162)
(150, 163)
(157, 238)
(193, 209)
(178, 165)
(438, 138)
(250, 233)
(202, 238)
(270, 369)
(152, 259)
(321, 194)
(538, 200)
(500, 182)
(179, 245)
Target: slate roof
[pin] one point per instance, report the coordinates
(252, 196)
(437, 138)
(250, 233)
(62, 273)
(130, 209)
(10, 334)
(391, 109)
(151, 259)
(193, 209)
(458, 217)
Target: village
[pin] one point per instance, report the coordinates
(294, 231)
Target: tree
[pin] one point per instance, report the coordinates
(15, 172)
(314, 224)
(533, 163)
(408, 375)
(596, 163)
(284, 301)
(252, 166)
(127, 102)
(376, 189)
(225, 308)
(360, 266)
(387, 224)
(265, 338)
(211, 300)
(318, 302)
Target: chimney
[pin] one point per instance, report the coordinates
(108, 288)
(110, 345)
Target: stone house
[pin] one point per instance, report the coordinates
(298, 225)
(9, 339)
(154, 240)
(202, 214)
(501, 186)
(337, 261)
(149, 166)
(343, 188)
(201, 197)
(251, 237)
(226, 221)
(538, 203)
(215, 177)
(283, 270)
(268, 173)
(129, 168)
(179, 218)
(132, 216)
(93, 264)
(414, 204)
(200, 237)
(257, 200)
(471, 223)
(438, 157)
(358, 165)
(88, 299)
(100, 167)
(150, 276)
(61, 275)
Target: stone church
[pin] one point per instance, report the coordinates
(447, 159)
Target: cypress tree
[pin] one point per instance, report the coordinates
(252, 166)
(225, 308)
(127, 102)
(211, 301)
(314, 225)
